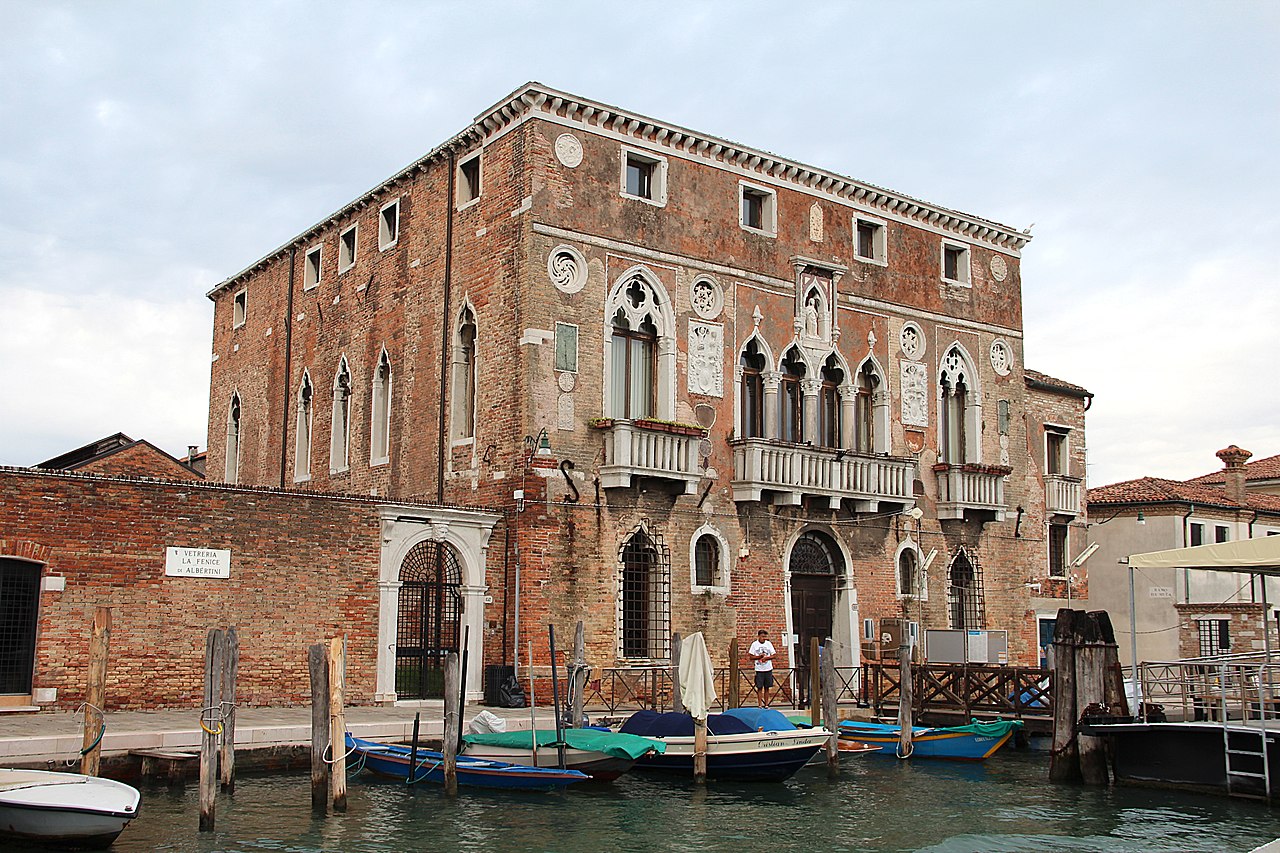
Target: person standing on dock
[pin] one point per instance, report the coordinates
(762, 653)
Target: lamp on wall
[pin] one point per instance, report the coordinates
(1142, 519)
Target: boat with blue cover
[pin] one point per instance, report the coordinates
(743, 744)
(394, 760)
(974, 742)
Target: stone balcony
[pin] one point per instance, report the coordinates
(788, 472)
(652, 449)
(970, 488)
(1062, 494)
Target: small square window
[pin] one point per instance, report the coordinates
(1221, 534)
(389, 225)
(870, 239)
(469, 181)
(756, 211)
(567, 347)
(347, 249)
(644, 177)
(311, 268)
(1197, 534)
(955, 263)
(239, 309)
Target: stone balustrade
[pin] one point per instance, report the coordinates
(790, 471)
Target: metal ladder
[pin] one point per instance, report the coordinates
(1237, 777)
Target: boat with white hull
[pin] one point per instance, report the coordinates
(66, 809)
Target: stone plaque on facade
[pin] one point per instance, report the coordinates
(197, 563)
(564, 419)
(815, 223)
(915, 393)
(706, 359)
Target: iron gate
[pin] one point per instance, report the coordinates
(19, 600)
(430, 614)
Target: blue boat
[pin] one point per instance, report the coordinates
(392, 760)
(974, 742)
(743, 744)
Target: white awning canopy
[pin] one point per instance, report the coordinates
(1255, 556)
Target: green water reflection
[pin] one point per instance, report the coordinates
(1005, 804)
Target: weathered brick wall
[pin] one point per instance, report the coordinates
(303, 569)
(1246, 622)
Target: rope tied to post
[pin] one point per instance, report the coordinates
(102, 730)
(328, 750)
(212, 715)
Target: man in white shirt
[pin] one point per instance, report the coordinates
(762, 652)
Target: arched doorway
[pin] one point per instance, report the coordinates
(19, 609)
(430, 615)
(814, 566)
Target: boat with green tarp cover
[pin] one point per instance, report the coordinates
(974, 742)
(601, 754)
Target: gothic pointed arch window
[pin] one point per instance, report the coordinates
(864, 428)
(910, 580)
(791, 397)
(752, 363)
(340, 420)
(634, 367)
(302, 433)
(463, 422)
(958, 430)
(640, 360)
(964, 592)
(233, 439)
(380, 423)
(644, 585)
(829, 417)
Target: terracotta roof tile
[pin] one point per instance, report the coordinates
(1260, 469)
(1047, 381)
(1157, 490)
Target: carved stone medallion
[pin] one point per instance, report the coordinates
(706, 297)
(999, 269)
(566, 381)
(911, 339)
(1001, 357)
(567, 268)
(568, 150)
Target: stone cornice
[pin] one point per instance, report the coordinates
(534, 100)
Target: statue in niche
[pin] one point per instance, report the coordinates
(811, 316)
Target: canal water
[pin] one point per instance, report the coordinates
(1004, 804)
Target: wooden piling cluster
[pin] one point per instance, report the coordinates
(1087, 681)
(95, 699)
(217, 720)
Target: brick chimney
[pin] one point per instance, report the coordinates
(1234, 458)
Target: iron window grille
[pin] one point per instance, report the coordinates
(429, 619)
(644, 597)
(964, 592)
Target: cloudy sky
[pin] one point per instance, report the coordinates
(149, 150)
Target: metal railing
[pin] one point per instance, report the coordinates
(1222, 688)
(613, 689)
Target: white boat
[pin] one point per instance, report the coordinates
(66, 809)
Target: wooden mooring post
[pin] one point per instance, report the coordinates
(95, 699)
(227, 706)
(905, 698)
(827, 674)
(733, 673)
(211, 726)
(1087, 681)
(815, 682)
(338, 721)
(318, 665)
(452, 722)
(677, 701)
